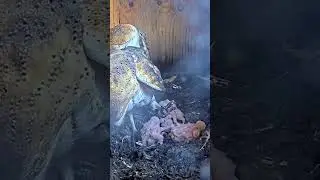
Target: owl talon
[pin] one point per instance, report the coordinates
(118, 123)
(154, 104)
(132, 123)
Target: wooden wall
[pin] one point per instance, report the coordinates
(168, 34)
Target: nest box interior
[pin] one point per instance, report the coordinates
(169, 34)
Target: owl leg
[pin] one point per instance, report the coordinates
(67, 171)
(154, 104)
(132, 122)
(121, 120)
(64, 160)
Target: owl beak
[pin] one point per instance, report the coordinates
(162, 87)
(159, 87)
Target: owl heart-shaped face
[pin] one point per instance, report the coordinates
(124, 35)
(129, 43)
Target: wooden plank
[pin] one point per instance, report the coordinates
(114, 13)
(168, 34)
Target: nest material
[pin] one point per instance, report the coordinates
(171, 159)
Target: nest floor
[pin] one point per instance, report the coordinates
(171, 160)
(268, 124)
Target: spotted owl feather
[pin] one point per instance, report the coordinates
(44, 76)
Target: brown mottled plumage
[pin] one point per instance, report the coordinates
(121, 36)
(132, 74)
(96, 29)
(123, 84)
(44, 79)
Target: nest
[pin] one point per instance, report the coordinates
(165, 157)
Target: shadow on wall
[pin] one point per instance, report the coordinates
(198, 62)
(271, 47)
(249, 27)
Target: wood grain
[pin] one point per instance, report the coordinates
(168, 33)
(114, 13)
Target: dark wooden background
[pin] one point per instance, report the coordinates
(168, 33)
